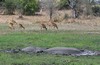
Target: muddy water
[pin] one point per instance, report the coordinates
(82, 53)
(88, 53)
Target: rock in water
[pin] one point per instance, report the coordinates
(63, 51)
(33, 49)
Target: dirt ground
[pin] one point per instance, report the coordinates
(33, 22)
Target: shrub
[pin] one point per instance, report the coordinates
(10, 6)
(96, 10)
(29, 6)
(63, 4)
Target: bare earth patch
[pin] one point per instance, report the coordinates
(33, 23)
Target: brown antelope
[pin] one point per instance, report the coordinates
(43, 26)
(52, 24)
(21, 26)
(13, 21)
(11, 25)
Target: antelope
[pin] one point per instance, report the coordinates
(53, 24)
(11, 25)
(13, 21)
(43, 26)
(21, 26)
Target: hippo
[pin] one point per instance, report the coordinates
(32, 49)
(62, 51)
(97, 53)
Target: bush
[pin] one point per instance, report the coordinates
(29, 6)
(96, 10)
(63, 4)
(10, 6)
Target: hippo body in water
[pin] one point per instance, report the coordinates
(62, 51)
(32, 49)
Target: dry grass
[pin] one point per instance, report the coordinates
(33, 22)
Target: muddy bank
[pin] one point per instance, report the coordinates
(54, 50)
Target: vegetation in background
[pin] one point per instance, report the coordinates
(63, 4)
(10, 6)
(27, 7)
(96, 10)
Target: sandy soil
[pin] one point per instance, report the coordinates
(33, 22)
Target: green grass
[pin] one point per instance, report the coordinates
(49, 39)
(44, 59)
